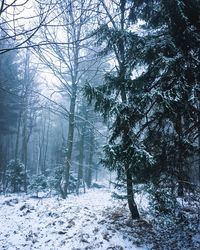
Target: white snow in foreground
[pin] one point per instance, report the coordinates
(79, 222)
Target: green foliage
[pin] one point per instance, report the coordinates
(50, 181)
(154, 116)
(140, 162)
(117, 99)
(15, 178)
(55, 177)
(38, 183)
(176, 221)
(170, 93)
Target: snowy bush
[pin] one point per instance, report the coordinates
(72, 182)
(15, 177)
(38, 183)
(177, 231)
(175, 220)
(54, 178)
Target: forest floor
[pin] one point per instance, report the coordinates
(93, 220)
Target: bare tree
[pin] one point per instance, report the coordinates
(20, 21)
(65, 56)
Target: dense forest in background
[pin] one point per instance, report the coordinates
(91, 84)
(47, 141)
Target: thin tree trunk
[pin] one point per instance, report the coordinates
(25, 115)
(96, 173)
(39, 156)
(74, 34)
(41, 146)
(25, 148)
(81, 158)
(130, 195)
(47, 143)
(17, 137)
(90, 162)
(66, 173)
(129, 181)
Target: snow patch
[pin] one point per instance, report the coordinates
(87, 221)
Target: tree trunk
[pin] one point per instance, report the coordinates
(74, 34)
(130, 195)
(66, 172)
(17, 137)
(2, 164)
(25, 147)
(96, 173)
(81, 157)
(47, 142)
(90, 161)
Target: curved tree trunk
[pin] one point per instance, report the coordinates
(130, 195)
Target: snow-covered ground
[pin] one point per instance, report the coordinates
(89, 221)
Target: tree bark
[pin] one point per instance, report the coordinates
(66, 172)
(25, 147)
(81, 157)
(17, 137)
(47, 141)
(90, 162)
(130, 195)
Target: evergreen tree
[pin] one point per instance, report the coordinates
(15, 179)
(170, 86)
(114, 100)
(155, 115)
